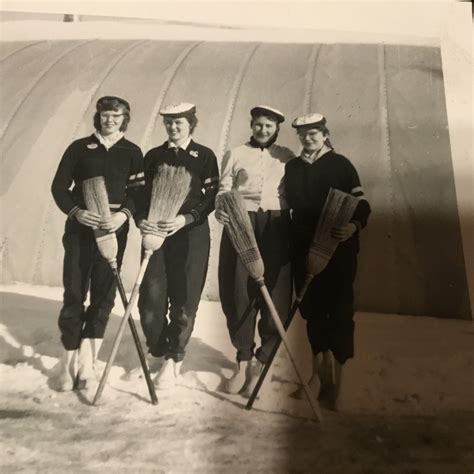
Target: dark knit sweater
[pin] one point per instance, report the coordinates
(200, 162)
(121, 166)
(307, 186)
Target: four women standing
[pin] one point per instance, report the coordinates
(270, 182)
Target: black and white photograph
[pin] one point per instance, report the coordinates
(236, 237)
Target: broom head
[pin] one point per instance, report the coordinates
(170, 189)
(97, 200)
(241, 234)
(337, 211)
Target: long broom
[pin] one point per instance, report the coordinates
(170, 188)
(96, 199)
(240, 232)
(337, 211)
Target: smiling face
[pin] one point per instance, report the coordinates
(263, 129)
(178, 129)
(312, 139)
(111, 121)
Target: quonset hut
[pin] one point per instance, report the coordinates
(385, 107)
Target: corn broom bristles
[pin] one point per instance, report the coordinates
(96, 197)
(337, 211)
(97, 200)
(169, 191)
(241, 234)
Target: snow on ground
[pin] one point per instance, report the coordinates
(406, 404)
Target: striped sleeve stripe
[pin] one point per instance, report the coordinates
(195, 214)
(357, 224)
(359, 193)
(126, 212)
(136, 184)
(114, 206)
(214, 179)
(73, 212)
(133, 177)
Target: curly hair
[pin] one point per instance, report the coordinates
(115, 104)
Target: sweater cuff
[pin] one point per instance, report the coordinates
(195, 214)
(126, 212)
(357, 224)
(73, 212)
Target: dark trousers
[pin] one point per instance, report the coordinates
(85, 268)
(328, 304)
(175, 276)
(240, 296)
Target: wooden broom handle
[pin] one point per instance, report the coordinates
(266, 367)
(276, 319)
(121, 329)
(136, 339)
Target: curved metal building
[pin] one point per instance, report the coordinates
(385, 107)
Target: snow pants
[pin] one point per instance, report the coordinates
(240, 296)
(84, 268)
(175, 277)
(328, 305)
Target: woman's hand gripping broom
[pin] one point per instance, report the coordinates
(337, 211)
(96, 199)
(240, 232)
(169, 191)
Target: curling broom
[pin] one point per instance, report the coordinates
(96, 199)
(337, 211)
(240, 232)
(170, 188)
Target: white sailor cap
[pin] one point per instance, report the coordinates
(266, 110)
(315, 120)
(178, 110)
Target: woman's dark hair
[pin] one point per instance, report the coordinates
(325, 130)
(193, 121)
(190, 117)
(115, 104)
(268, 115)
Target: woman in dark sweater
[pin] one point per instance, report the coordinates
(328, 305)
(104, 153)
(177, 271)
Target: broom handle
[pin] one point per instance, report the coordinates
(276, 319)
(268, 364)
(121, 329)
(136, 340)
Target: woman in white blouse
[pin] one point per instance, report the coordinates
(256, 170)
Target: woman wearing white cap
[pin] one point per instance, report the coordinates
(256, 170)
(109, 154)
(177, 271)
(328, 305)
